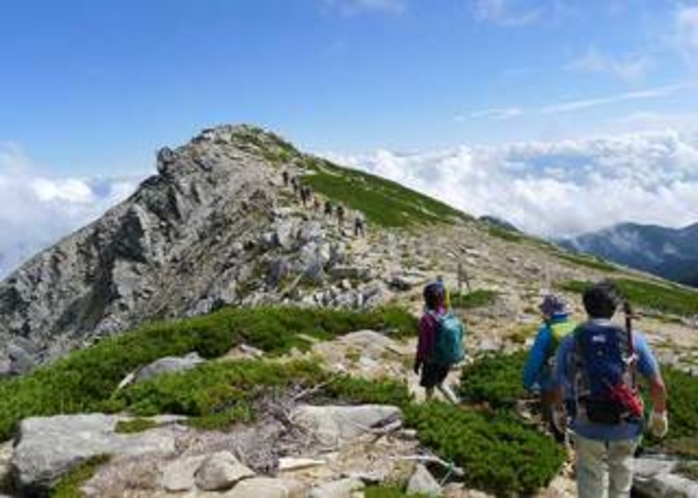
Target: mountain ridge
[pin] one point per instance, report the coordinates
(664, 251)
(218, 225)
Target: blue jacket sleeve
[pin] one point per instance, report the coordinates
(537, 357)
(647, 363)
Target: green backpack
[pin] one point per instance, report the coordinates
(448, 349)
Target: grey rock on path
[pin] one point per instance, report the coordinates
(343, 488)
(221, 471)
(268, 487)
(423, 482)
(49, 447)
(656, 477)
(334, 426)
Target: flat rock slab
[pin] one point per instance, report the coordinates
(334, 426)
(343, 488)
(51, 446)
(267, 487)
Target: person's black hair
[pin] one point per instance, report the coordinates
(602, 299)
(433, 296)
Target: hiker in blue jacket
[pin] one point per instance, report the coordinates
(538, 371)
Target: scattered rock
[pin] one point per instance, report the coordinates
(221, 471)
(179, 475)
(288, 464)
(423, 482)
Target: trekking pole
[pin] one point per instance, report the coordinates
(628, 311)
(460, 278)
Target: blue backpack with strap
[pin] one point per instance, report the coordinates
(448, 349)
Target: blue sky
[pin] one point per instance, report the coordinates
(562, 116)
(93, 87)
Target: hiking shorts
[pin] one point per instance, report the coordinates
(433, 375)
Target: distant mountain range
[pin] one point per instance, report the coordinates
(668, 252)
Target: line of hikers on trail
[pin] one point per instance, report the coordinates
(309, 199)
(585, 374)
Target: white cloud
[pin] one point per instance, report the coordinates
(650, 93)
(38, 209)
(357, 6)
(497, 113)
(503, 13)
(687, 32)
(562, 188)
(630, 69)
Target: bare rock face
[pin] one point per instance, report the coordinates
(182, 245)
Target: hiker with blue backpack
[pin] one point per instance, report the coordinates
(540, 364)
(440, 344)
(596, 365)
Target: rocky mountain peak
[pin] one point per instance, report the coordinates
(179, 245)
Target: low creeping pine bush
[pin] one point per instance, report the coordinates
(498, 452)
(85, 379)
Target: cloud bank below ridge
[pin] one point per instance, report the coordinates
(38, 209)
(561, 188)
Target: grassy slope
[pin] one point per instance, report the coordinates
(384, 203)
(663, 298)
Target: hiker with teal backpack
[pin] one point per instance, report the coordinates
(597, 366)
(440, 344)
(540, 364)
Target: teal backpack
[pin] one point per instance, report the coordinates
(448, 349)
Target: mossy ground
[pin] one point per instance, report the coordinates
(69, 486)
(587, 261)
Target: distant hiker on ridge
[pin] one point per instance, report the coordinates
(596, 365)
(304, 195)
(340, 215)
(328, 208)
(285, 178)
(538, 371)
(359, 225)
(440, 344)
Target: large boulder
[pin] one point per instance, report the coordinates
(334, 426)
(49, 447)
(221, 471)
